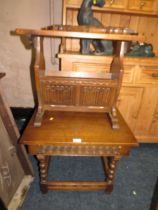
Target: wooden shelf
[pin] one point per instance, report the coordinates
(117, 11)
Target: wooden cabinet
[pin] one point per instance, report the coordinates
(138, 101)
(142, 21)
(129, 104)
(131, 6)
(138, 107)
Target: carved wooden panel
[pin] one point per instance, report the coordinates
(80, 150)
(57, 94)
(96, 96)
(81, 92)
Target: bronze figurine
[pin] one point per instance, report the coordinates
(86, 17)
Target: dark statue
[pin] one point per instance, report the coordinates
(85, 17)
(141, 50)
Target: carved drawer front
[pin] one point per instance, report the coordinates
(142, 5)
(118, 4)
(147, 75)
(80, 150)
(73, 2)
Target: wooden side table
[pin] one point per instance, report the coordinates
(78, 134)
(73, 109)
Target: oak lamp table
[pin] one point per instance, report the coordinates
(76, 111)
(78, 134)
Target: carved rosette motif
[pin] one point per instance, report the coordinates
(80, 150)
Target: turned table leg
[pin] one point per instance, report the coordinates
(111, 173)
(43, 168)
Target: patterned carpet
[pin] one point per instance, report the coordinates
(134, 183)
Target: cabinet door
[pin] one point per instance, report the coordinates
(116, 4)
(154, 124)
(129, 104)
(147, 112)
(142, 5)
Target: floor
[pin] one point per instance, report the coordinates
(134, 189)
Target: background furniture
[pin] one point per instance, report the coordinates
(15, 169)
(138, 100)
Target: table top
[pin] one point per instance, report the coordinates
(80, 32)
(74, 128)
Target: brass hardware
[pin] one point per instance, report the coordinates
(155, 75)
(111, 2)
(142, 3)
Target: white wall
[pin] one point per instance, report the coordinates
(14, 58)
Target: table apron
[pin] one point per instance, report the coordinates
(78, 150)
